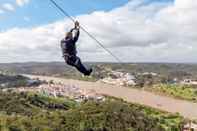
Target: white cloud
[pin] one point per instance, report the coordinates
(1, 11)
(8, 6)
(136, 32)
(22, 2)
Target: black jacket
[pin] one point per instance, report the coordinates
(69, 45)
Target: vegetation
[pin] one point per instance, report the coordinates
(31, 112)
(186, 92)
(12, 81)
(167, 70)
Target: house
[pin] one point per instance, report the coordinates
(4, 85)
(150, 73)
(189, 82)
(116, 74)
(121, 79)
(190, 127)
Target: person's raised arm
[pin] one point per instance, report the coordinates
(77, 32)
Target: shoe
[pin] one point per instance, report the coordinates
(89, 72)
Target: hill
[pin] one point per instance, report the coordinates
(101, 69)
(13, 81)
(19, 112)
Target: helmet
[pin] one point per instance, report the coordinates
(69, 35)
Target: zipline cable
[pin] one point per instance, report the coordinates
(90, 35)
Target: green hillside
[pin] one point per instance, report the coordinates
(31, 112)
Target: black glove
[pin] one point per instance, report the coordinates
(77, 26)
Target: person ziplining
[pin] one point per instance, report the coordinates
(68, 46)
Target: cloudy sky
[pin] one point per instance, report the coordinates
(134, 30)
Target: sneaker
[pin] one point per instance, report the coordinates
(89, 72)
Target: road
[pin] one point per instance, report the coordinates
(185, 108)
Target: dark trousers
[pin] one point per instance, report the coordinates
(76, 62)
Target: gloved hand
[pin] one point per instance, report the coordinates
(77, 26)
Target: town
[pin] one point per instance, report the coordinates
(128, 79)
(22, 84)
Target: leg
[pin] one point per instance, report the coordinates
(80, 67)
(76, 62)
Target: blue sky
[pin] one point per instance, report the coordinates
(134, 30)
(40, 12)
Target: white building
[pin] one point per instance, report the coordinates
(190, 127)
(150, 73)
(121, 79)
(189, 82)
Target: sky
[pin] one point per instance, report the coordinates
(133, 30)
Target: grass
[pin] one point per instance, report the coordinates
(185, 92)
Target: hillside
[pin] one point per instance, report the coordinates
(34, 112)
(13, 81)
(101, 69)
